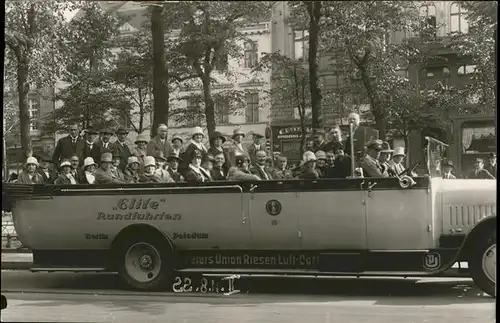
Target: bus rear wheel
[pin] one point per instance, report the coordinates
(482, 262)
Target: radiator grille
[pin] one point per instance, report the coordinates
(463, 216)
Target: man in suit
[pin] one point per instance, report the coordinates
(104, 175)
(91, 137)
(370, 164)
(219, 172)
(479, 172)
(173, 167)
(159, 143)
(103, 145)
(49, 174)
(492, 164)
(259, 168)
(236, 148)
(68, 145)
(255, 146)
(446, 169)
(121, 148)
(281, 171)
(361, 137)
(319, 140)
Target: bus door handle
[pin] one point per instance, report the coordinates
(370, 186)
(253, 187)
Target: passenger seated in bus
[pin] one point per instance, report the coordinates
(218, 172)
(308, 166)
(66, 176)
(341, 167)
(240, 171)
(149, 175)
(259, 168)
(115, 166)
(89, 167)
(172, 168)
(75, 165)
(196, 144)
(103, 174)
(161, 172)
(140, 150)
(207, 165)
(176, 144)
(319, 140)
(216, 142)
(330, 158)
(29, 175)
(49, 174)
(321, 164)
(193, 174)
(385, 157)
(281, 170)
(479, 172)
(370, 163)
(447, 167)
(397, 160)
(131, 172)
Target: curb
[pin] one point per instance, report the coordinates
(16, 265)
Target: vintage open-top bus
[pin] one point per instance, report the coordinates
(149, 233)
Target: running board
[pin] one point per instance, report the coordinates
(68, 269)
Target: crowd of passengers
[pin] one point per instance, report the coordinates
(93, 159)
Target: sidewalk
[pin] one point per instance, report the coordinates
(16, 260)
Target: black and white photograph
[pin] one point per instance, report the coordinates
(249, 161)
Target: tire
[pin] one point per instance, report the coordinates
(484, 247)
(155, 273)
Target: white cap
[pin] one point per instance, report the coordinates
(162, 126)
(399, 151)
(308, 156)
(32, 161)
(89, 161)
(149, 161)
(197, 131)
(132, 160)
(65, 163)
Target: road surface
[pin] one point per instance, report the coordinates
(97, 298)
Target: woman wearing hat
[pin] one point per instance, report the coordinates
(65, 175)
(194, 174)
(131, 172)
(140, 151)
(309, 166)
(89, 167)
(240, 172)
(236, 148)
(149, 175)
(397, 160)
(216, 142)
(321, 163)
(177, 143)
(196, 144)
(29, 175)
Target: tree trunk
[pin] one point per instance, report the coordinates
(24, 116)
(314, 10)
(141, 112)
(376, 108)
(160, 90)
(209, 105)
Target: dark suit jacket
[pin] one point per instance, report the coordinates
(85, 151)
(217, 175)
(123, 151)
(251, 152)
(482, 174)
(361, 137)
(155, 147)
(258, 171)
(51, 178)
(65, 148)
(186, 157)
(194, 177)
(212, 151)
(175, 175)
(98, 149)
(491, 169)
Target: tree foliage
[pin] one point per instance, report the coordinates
(210, 34)
(33, 31)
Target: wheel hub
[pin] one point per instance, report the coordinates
(489, 263)
(146, 261)
(143, 262)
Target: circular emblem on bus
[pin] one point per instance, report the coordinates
(273, 207)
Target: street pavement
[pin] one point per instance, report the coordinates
(70, 297)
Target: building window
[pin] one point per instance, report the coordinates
(432, 72)
(458, 23)
(34, 112)
(429, 12)
(252, 108)
(403, 72)
(193, 113)
(251, 54)
(222, 112)
(466, 69)
(301, 41)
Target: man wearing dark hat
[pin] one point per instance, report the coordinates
(370, 162)
(492, 164)
(255, 146)
(319, 140)
(216, 148)
(115, 166)
(68, 145)
(104, 175)
(240, 171)
(446, 169)
(49, 174)
(121, 148)
(103, 145)
(91, 137)
(479, 172)
(172, 168)
(385, 157)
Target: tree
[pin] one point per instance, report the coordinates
(357, 35)
(210, 33)
(89, 100)
(33, 31)
(479, 44)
